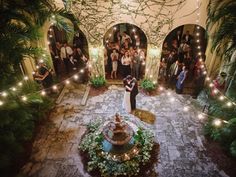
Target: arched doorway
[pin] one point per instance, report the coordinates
(74, 58)
(125, 51)
(183, 46)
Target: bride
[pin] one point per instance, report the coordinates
(128, 88)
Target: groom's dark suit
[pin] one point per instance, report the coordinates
(133, 94)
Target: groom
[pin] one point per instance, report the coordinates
(134, 93)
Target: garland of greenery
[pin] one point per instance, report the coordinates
(108, 166)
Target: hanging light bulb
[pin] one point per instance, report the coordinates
(134, 30)
(221, 97)
(76, 77)
(43, 93)
(54, 87)
(186, 108)
(1, 103)
(20, 84)
(67, 82)
(198, 40)
(82, 71)
(154, 82)
(229, 104)
(208, 78)
(211, 85)
(215, 91)
(24, 98)
(217, 122)
(4, 94)
(200, 116)
(26, 78)
(161, 88)
(13, 89)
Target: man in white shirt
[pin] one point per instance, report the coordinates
(66, 54)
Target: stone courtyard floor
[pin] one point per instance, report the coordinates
(179, 133)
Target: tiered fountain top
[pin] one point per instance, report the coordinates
(118, 132)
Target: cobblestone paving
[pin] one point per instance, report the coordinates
(179, 133)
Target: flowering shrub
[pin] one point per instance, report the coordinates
(92, 144)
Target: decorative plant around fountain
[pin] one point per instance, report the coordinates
(115, 148)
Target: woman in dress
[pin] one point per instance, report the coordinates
(126, 61)
(181, 78)
(128, 88)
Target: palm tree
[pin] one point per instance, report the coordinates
(20, 25)
(222, 29)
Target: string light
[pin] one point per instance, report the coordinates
(217, 122)
(200, 116)
(13, 89)
(43, 93)
(20, 84)
(161, 88)
(76, 77)
(67, 82)
(26, 78)
(4, 94)
(229, 104)
(221, 97)
(54, 87)
(215, 91)
(211, 85)
(186, 108)
(24, 98)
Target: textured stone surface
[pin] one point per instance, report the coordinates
(179, 133)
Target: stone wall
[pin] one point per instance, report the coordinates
(155, 18)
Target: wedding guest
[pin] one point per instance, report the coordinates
(44, 75)
(165, 50)
(125, 61)
(178, 37)
(114, 58)
(136, 64)
(66, 53)
(181, 79)
(187, 37)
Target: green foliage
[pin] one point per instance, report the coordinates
(98, 81)
(222, 14)
(226, 133)
(92, 144)
(18, 120)
(148, 85)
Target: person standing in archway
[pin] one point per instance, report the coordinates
(125, 61)
(114, 58)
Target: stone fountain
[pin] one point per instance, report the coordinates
(118, 136)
